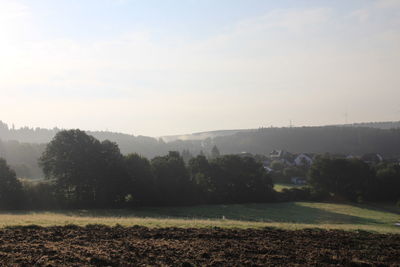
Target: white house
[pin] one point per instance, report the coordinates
(268, 169)
(303, 159)
(372, 158)
(298, 180)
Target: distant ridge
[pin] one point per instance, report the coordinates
(42, 135)
(379, 125)
(218, 133)
(203, 135)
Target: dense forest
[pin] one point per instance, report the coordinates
(379, 125)
(22, 147)
(328, 139)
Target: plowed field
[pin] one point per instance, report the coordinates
(97, 245)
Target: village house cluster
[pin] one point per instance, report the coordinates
(287, 167)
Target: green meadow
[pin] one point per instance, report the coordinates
(289, 215)
(279, 187)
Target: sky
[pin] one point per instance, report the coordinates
(173, 67)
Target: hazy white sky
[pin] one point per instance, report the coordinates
(169, 67)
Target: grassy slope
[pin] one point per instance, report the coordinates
(291, 215)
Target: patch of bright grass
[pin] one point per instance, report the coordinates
(289, 215)
(280, 187)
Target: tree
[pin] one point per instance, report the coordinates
(241, 179)
(70, 159)
(341, 177)
(11, 195)
(85, 172)
(39, 194)
(215, 152)
(141, 184)
(201, 175)
(276, 165)
(386, 184)
(172, 179)
(186, 155)
(199, 164)
(112, 176)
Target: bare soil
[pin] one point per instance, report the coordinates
(97, 245)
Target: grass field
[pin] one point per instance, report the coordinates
(291, 215)
(280, 187)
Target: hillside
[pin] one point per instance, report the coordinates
(379, 125)
(22, 147)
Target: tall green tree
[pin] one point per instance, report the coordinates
(201, 175)
(215, 152)
(386, 183)
(241, 179)
(71, 160)
(111, 175)
(85, 172)
(11, 194)
(172, 179)
(186, 155)
(341, 177)
(141, 180)
(231, 179)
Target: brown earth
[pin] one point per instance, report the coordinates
(97, 245)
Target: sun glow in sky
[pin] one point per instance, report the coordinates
(170, 67)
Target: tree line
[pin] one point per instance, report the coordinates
(355, 180)
(83, 172)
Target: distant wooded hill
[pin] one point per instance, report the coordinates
(379, 125)
(213, 134)
(22, 147)
(203, 135)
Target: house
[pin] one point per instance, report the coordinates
(277, 154)
(266, 162)
(303, 160)
(245, 154)
(372, 158)
(266, 165)
(282, 156)
(268, 169)
(298, 180)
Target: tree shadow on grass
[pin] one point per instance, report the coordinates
(289, 212)
(384, 206)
